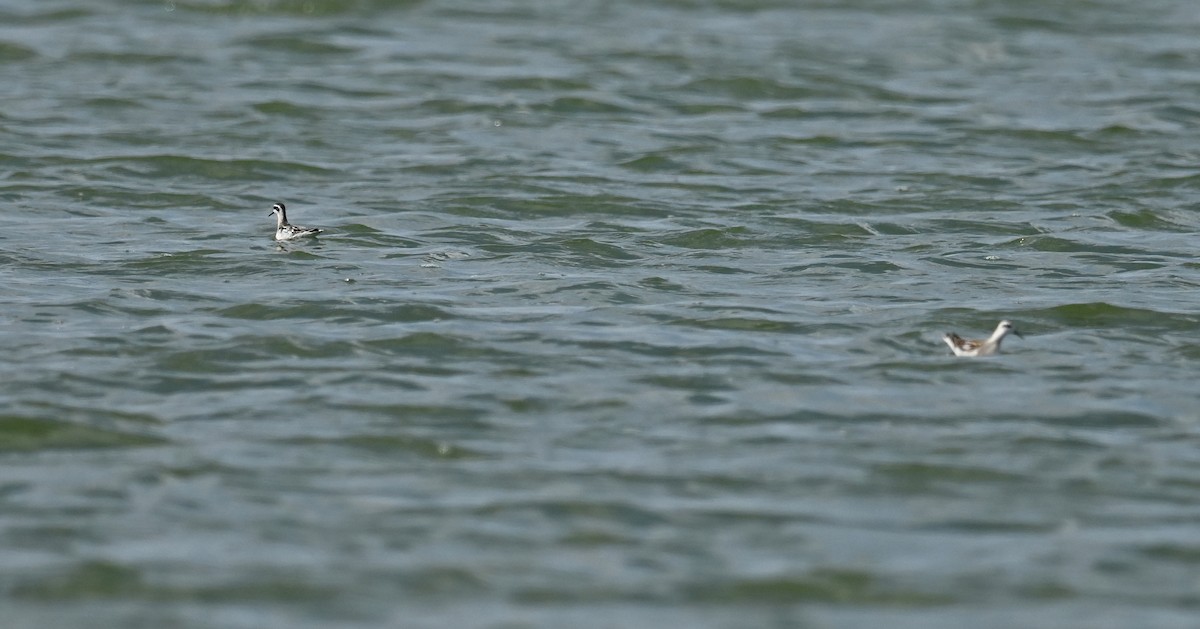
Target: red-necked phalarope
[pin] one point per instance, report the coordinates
(285, 230)
(980, 347)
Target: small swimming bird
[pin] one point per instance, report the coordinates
(285, 230)
(980, 347)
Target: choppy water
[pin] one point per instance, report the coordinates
(628, 314)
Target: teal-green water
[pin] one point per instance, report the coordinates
(627, 314)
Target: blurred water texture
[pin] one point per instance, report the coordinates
(627, 314)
